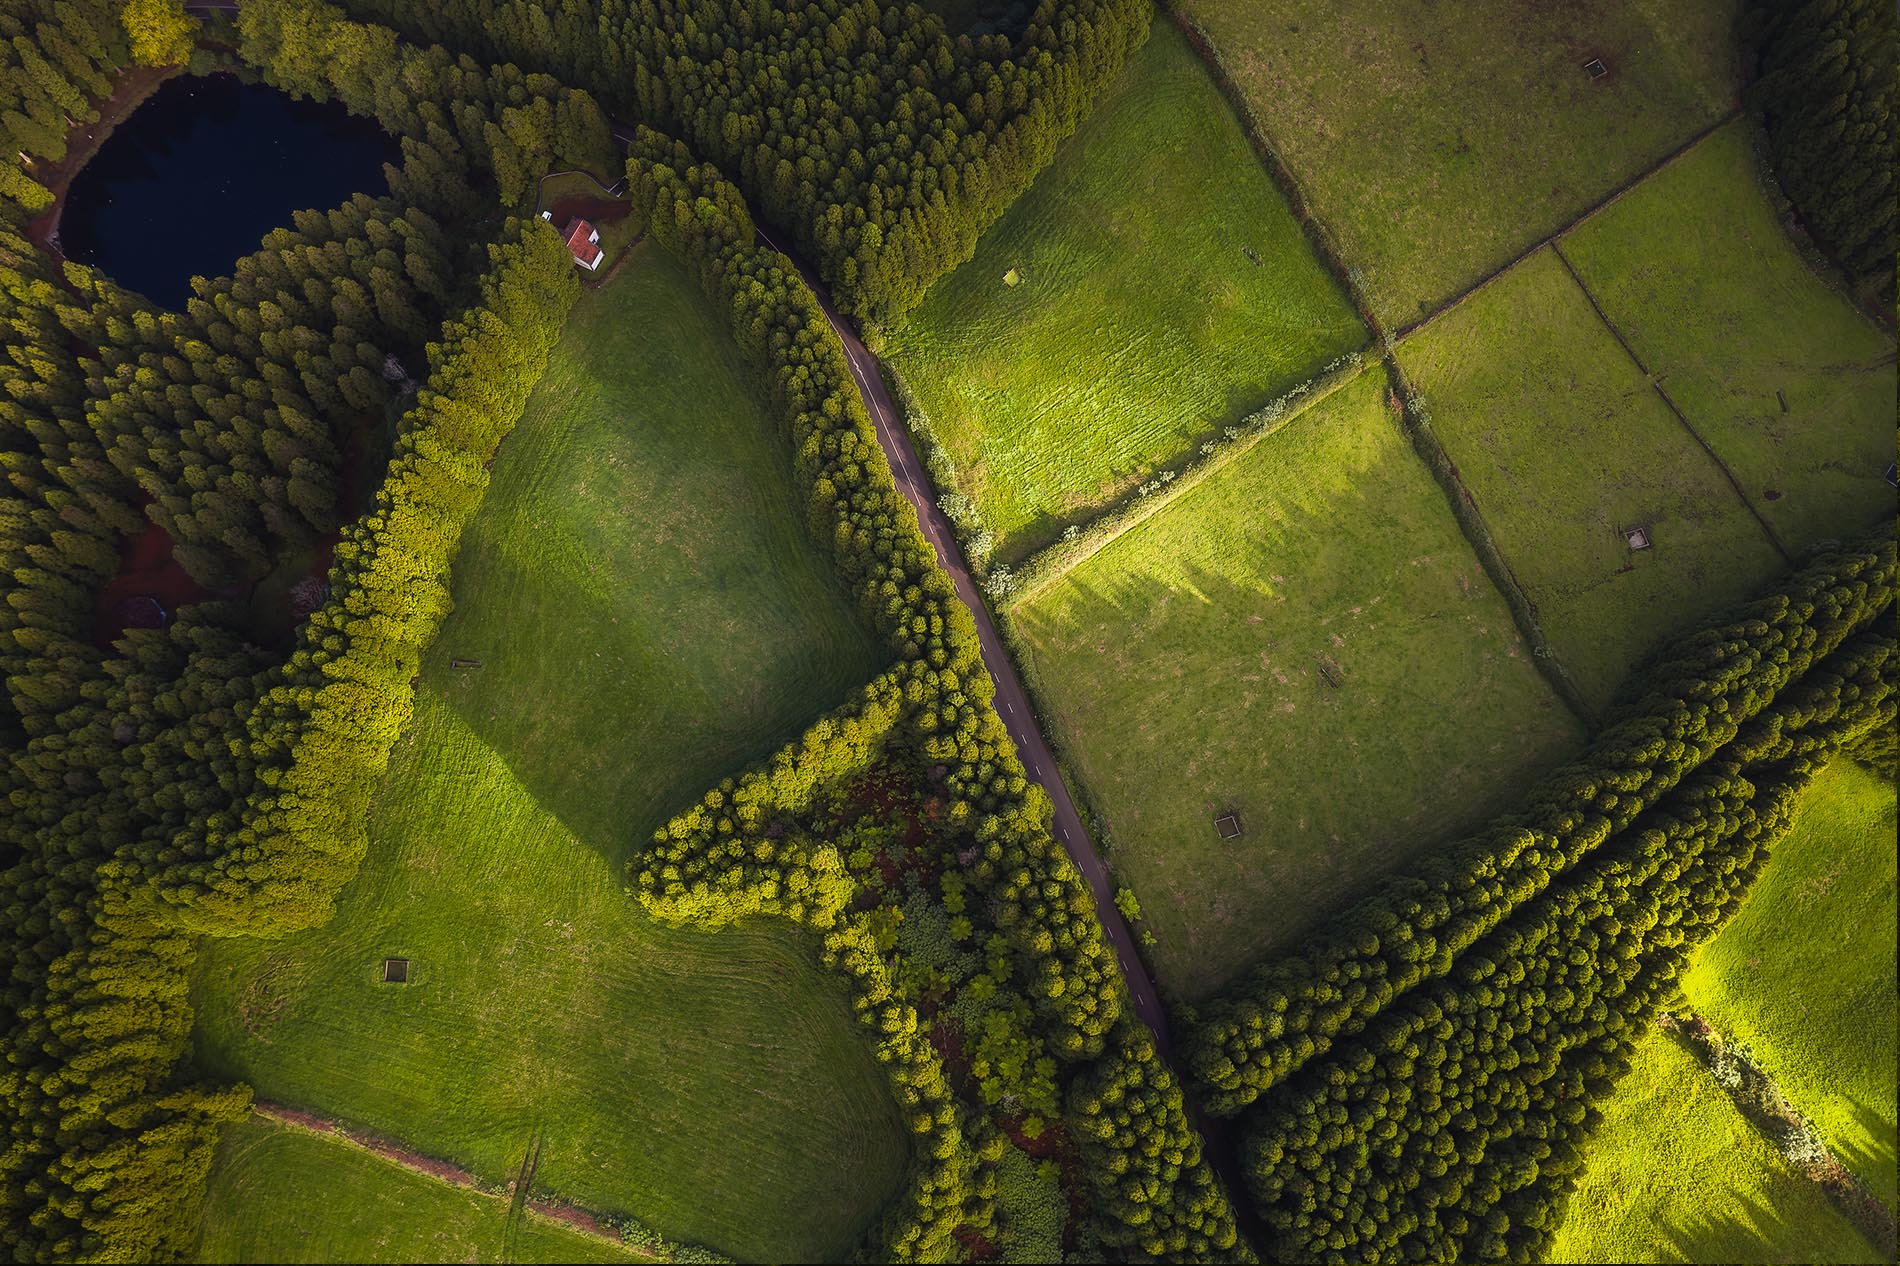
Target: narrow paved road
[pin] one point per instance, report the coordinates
(1011, 703)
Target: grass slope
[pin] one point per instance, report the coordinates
(1437, 141)
(1804, 974)
(1139, 323)
(281, 1195)
(1676, 1174)
(1562, 442)
(1694, 269)
(648, 615)
(1182, 664)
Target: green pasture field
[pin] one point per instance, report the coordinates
(1790, 385)
(1436, 142)
(1675, 1173)
(1804, 975)
(1562, 444)
(1139, 325)
(284, 1195)
(1184, 670)
(645, 615)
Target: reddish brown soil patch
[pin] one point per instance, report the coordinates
(977, 1247)
(130, 88)
(146, 570)
(599, 210)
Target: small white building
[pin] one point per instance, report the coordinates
(584, 240)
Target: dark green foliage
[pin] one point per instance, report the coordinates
(1032, 1209)
(1156, 1197)
(880, 143)
(936, 699)
(455, 117)
(744, 849)
(1825, 82)
(182, 782)
(1420, 1083)
(55, 57)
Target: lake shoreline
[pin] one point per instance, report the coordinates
(131, 88)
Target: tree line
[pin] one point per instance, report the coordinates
(747, 849)
(1418, 1084)
(197, 785)
(183, 780)
(56, 62)
(881, 143)
(1825, 81)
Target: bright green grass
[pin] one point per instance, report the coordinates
(1181, 667)
(1804, 974)
(648, 616)
(283, 1195)
(1695, 270)
(1438, 141)
(1562, 442)
(1676, 1174)
(1139, 325)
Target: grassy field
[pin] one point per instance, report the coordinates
(1804, 974)
(1438, 141)
(1163, 290)
(1563, 443)
(1694, 268)
(283, 1195)
(647, 616)
(1676, 1174)
(1184, 665)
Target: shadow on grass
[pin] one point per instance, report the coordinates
(1331, 662)
(616, 749)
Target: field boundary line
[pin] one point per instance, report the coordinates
(1042, 569)
(1414, 419)
(571, 1216)
(1464, 507)
(1655, 381)
(1610, 199)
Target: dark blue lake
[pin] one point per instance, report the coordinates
(202, 171)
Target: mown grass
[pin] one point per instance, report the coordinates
(1562, 444)
(1804, 974)
(1438, 141)
(647, 615)
(1184, 668)
(1675, 1173)
(1695, 270)
(283, 1195)
(1139, 323)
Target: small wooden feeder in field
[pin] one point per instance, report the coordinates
(395, 971)
(1595, 68)
(1638, 538)
(1228, 824)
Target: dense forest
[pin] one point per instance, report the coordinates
(167, 782)
(881, 143)
(1826, 76)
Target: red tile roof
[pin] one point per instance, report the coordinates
(585, 251)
